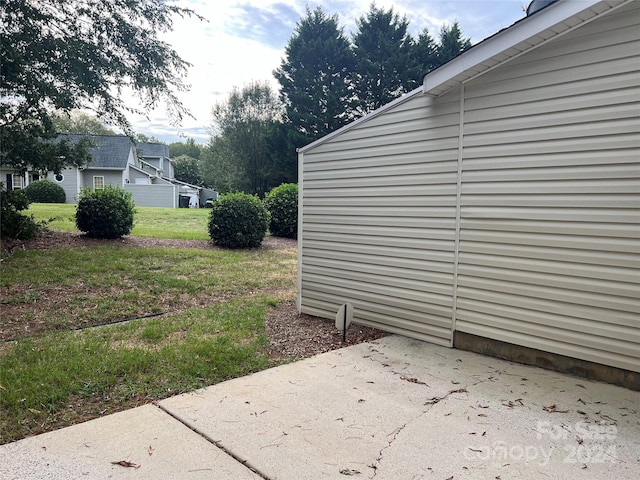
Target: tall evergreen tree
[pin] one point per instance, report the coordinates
(384, 52)
(315, 78)
(451, 43)
(424, 58)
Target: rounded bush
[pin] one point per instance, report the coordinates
(105, 213)
(238, 220)
(45, 191)
(14, 224)
(282, 204)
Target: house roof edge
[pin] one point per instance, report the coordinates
(529, 32)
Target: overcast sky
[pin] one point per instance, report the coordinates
(244, 40)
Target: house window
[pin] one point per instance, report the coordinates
(59, 177)
(34, 177)
(17, 181)
(98, 183)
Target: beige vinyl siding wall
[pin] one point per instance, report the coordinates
(549, 254)
(379, 207)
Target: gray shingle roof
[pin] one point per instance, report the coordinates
(153, 149)
(110, 151)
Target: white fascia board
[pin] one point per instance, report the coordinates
(521, 31)
(138, 169)
(178, 182)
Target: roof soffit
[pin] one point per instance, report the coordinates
(518, 39)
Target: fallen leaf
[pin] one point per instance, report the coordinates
(126, 463)
(150, 450)
(413, 380)
(553, 409)
(33, 410)
(349, 471)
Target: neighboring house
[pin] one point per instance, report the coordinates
(497, 208)
(145, 170)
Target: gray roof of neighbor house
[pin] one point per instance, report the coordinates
(110, 151)
(153, 149)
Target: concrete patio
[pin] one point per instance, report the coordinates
(395, 408)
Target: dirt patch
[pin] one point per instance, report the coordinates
(54, 239)
(291, 335)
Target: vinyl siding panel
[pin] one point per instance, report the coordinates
(153, 195)
(379, 207)
(549, 254)
(517, 219)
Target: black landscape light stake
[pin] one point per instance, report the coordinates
(344, 326)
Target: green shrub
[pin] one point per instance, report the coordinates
(14, 224)
(238, 220)
(282, 204)
(105, 213)
(45, 191)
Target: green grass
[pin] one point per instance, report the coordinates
(70, 288)
(61, 378)
(178, 223)
(172, 320)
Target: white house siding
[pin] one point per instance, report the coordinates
(153, 195)
(550, 238)
(379, 210)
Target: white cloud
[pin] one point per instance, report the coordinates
(243, 41)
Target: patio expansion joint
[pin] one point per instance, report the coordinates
(216, 443)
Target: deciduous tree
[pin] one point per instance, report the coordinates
(241, 129)
(187, 169)
(61, 54)
(77, 121)
(189, 148)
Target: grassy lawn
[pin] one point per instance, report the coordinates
(180, 223)
(171, 320)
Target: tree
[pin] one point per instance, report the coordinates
(218, 167)
(63, 55)
(241, 127)
(187, 169)
(451, 43)
(384, 52)
(425, 58)
(77, 121)
(189, 148)
(142, 138)
(316, 78)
